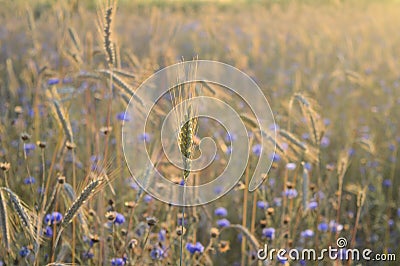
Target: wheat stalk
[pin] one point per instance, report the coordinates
(106, 20)
(23, 213)
(5, 229)
(86, 193)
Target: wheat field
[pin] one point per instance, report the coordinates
(330, 71)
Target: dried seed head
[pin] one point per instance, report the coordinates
(214, 232)
(111, 216)
(42, 144)
(289, 185)
(61, 179)
(5, 166)
(263, 223)
(270, 211)
(105, 130)
(70, 145)
(124, 232)
(94, 238)
(180, 231)
(151, 221)
(240, 186)
(223, 246)
(286, 220)
(18, 110)
(130, 204)
(312, 186)
(92, 212)
(111, 202)
(133, 243)
(25, 136)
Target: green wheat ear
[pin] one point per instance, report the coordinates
(187, 121)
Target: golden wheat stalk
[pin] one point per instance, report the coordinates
(86, 193)
(105, 25)
(24, 214)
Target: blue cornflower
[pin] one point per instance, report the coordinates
(218, 190)
(133, 184)
(387, 183)
(307, 233)
(29, 147)
(323, 227)
(48, 231)
(29, 180)
(229, 137)
(221, 211)
(262, 204)
(325, 142)
(180, 219)
(54, 217)
(335, 227)
(351, 152)
(257, 149)
(156, 253)
(24, 251)
(269, 232)
(117, 262)
(307, 166)
(398, 212)
(147, 198)
(312, 205)
(223, 223)
(53, 81)
(162, 235)
(290, 193)
(144, 137)
(390, 222)
(193, 248)
(123, 116)
(275, 157)
(278, 202)
(305, 136)
(119, 219)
